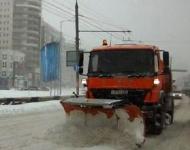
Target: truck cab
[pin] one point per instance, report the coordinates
(136, 73)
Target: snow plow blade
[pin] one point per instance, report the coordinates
(84, 102)
(106, 112)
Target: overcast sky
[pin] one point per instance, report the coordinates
(165, 23)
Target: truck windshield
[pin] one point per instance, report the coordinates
(121, 62)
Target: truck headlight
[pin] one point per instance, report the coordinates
(156, 81)
(84, 82)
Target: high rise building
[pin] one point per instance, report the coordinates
(26, 30)
(20, 22)
(6, 23)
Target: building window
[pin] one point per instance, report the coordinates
(4, 73)
(4, 57)
(4, 64)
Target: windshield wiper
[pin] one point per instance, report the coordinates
(132, 74)
(100, 74)
(127, 73)
(104, 74)
(138, 75)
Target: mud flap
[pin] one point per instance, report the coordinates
(100, 113)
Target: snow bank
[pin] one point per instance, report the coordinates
(7, 110)
(20, 94)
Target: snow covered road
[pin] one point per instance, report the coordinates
(41, 126)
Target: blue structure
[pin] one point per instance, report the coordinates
(50, 62)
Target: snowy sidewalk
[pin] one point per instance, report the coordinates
(20, 94)
(7, 110)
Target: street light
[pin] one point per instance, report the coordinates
(60, 50)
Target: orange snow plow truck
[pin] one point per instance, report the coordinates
(129, 84)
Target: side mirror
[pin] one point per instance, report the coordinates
(81, 58)
(73, 61)
(80, 63)
(166, 59)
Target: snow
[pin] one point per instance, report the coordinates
(76, 135)
(99, 123)
(7, 110)
(44, 125)
(20, 94)
(99, 133)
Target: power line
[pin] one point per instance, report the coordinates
(56, 12)
(96, 26)
(106, 31)
(57, 7)
(84, 19)
(103, 22)
(93, 12)
(52, 12)
(59, 15)
(96, 16)
(68, 8)
(98, 34)
(87, 22)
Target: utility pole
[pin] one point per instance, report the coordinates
(60, 69)
(77, 45)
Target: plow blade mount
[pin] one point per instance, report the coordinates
(106, 112)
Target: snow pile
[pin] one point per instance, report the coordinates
(6, 110)
(81, 131)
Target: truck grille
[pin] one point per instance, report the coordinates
(129, 95)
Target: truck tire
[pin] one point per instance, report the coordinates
(159, 119)
(172, 112)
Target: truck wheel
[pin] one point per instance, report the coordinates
(172, 112)
(159, 120)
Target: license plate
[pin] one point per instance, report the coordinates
(119, 92)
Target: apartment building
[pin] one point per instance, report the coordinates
(6, 23)
(11, 67)
(26, 30)
(20, 22)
